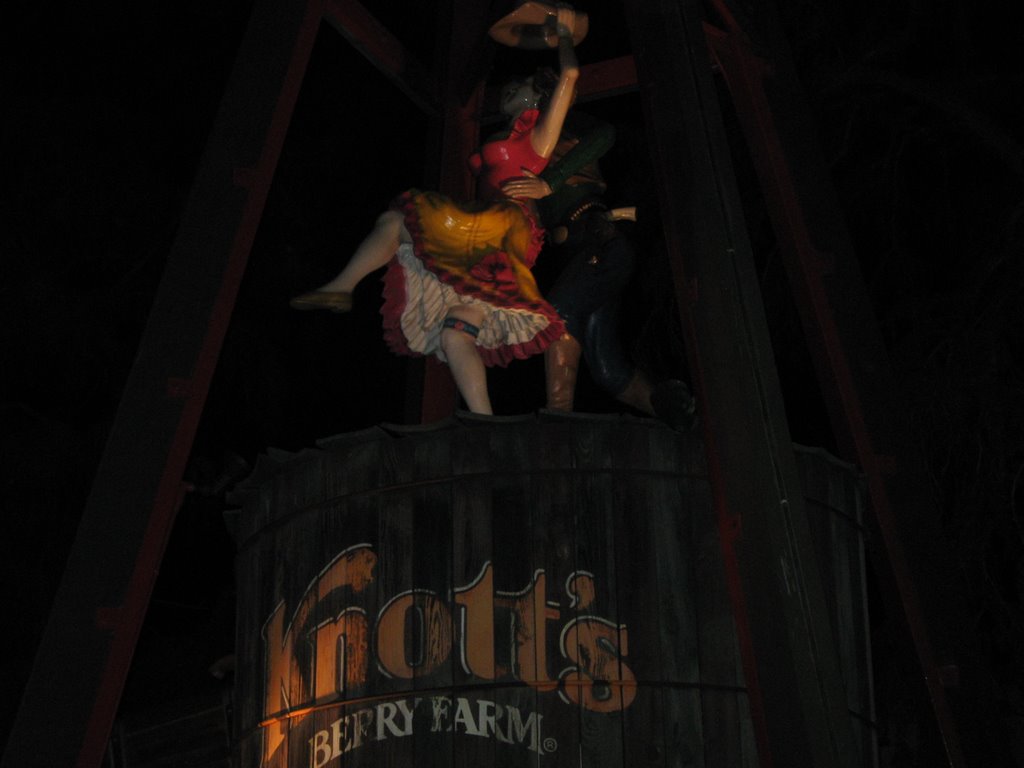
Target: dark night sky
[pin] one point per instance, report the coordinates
(107, 108)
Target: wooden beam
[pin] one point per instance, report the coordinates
(458, 125)
(602, 79)
(75, 685)
(611, 77)
(385, 52)
(606, 78)
(794, 684)
(855, 377)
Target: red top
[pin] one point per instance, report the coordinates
(503, 159)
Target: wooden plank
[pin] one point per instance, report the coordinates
(559, 512)
(595, 533)
(790, 662)
(604, 79)
(473, 572)
(638, 593)
(657, 603)
(608, 78)
(671, 552)
(725, 707)
(519, 515)
(835, 504)
(434, 571)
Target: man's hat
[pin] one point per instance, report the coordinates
(526, 26)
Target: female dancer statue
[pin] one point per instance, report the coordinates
(458, 283)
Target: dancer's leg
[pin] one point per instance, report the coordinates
(464, 359)
(561, 365)
(373, 253)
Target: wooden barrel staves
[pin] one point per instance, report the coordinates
(510, 592)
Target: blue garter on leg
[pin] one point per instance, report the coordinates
(461, 325)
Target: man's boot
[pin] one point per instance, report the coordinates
(637, 394)
(669, 400)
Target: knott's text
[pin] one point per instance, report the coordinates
(313, 660)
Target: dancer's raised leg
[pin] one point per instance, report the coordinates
(376, 250)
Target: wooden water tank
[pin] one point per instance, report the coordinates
(545, 590)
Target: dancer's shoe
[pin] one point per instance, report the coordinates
(333, 301)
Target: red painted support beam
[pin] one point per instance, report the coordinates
(794, 684)
(384, 51)
(87, 646)
(462, 100)
(459, 126)
(606, 78)
(846, 346)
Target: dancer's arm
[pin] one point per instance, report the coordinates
(544, 136)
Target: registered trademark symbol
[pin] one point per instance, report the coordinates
(550, 745)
